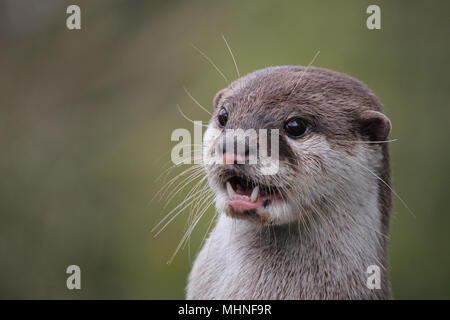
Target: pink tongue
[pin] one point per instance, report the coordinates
(242, 204)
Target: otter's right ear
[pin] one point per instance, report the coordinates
(217, 98)
(375, 125)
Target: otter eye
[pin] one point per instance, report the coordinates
(296, 128)
(222, 117)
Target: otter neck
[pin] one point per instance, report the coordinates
(326, 256)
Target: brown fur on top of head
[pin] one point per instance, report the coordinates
(338, 106)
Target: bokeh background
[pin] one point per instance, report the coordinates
(86, 118)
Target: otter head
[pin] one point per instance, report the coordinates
(321, 130)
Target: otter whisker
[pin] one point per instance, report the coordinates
(303, 73)
(368, 142)
(211, 62)
(168, 184)
(209, 203)
(213, 218)
(195, 168)
(167, 171)
(181, 204)
(195, 101)
(180, 210)
(194, 189)
(387, 185)
(167, 168)
(232, 56)
(186, 235)
(185, 183)
(205, 191)
(187, 118)
(170, 167)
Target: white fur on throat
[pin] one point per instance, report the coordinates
(320, 254)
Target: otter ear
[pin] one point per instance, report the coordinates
(375, 125)
(217, 98)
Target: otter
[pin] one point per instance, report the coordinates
(312, 229)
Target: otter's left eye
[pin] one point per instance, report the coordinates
(222, 117)
(296, 128)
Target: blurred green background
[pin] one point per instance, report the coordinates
(86, 118)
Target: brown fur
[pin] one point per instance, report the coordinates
(344, 111)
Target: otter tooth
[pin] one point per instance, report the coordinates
(255, 194)
(230, 190)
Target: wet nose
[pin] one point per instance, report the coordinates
(232, 156)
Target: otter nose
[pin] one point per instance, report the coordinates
(236, 155)
(234, 158)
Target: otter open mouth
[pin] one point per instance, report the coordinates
(246, 195)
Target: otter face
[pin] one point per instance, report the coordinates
(319, 118)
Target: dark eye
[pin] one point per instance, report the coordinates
(296, 128)
(222, 117)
